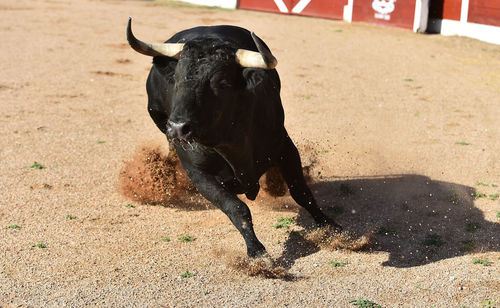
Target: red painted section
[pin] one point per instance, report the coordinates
(445, 9)
(485, 12)
(263, 5)
(452, 9)
(333, 9)
(402, 15)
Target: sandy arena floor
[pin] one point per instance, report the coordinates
(401, 132)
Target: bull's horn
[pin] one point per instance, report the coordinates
(262, 59)
(152, 49)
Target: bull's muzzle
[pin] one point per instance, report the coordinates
(179, 130)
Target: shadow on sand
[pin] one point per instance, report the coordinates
(417, 220)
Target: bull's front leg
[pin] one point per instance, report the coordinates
(237, 211)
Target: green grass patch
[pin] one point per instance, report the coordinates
(284, 222)
(454, 197)
(481, 184)
(323, 151)
(338, 30)
(231, 230)
(39, 245)
(187, 274)
(489, 303)
(467, 246)
(433, 240)
(493, 196)
(129, 206)
(386, 231)
(14, 227)
(472, 226)
(37, 165)
(408, 80)
(462, 143)
(494, 185)
(186, 238)
(70, 217)
(100, 141)
(480, 195)
(364, 303)
(165, 239)
(337, 264)
(498, 214)
(484, 262)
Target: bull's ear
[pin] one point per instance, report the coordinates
(253, 78)
(262, 83)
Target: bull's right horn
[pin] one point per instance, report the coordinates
(172, 50)
(262, 59)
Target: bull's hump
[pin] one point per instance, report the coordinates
(237, 36)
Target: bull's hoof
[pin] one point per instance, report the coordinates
(326, 221)
(257, 252)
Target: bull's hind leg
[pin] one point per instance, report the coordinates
(291, 169)
(237, 211)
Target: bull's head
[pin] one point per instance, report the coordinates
(207, 84)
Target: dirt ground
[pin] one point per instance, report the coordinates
(401, 132)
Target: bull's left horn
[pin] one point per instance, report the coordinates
(262, 59)
(172, 50)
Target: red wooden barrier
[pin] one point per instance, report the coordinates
(332, 9)
(451, 9)
(474, 18)
(399, 13)
(484, 12)
(265, 5)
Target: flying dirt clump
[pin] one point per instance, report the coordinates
(272, 183)
(328, 238)
(263, 267)
(153, 177)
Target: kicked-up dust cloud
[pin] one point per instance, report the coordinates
(154, 176)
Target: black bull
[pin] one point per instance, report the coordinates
(216, 95)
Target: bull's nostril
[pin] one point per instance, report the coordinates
(179, 130)
(185, 129)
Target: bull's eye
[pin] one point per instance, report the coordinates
(218, 83)
(224, 84)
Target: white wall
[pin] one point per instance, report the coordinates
(228, 4)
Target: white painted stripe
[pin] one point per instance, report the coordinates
(418, 15)
(450, 27)
(281, 6)
(464, 12)
(490, 34)
(486, 33)
(228, 4)
(299, 7)
(348, 10)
